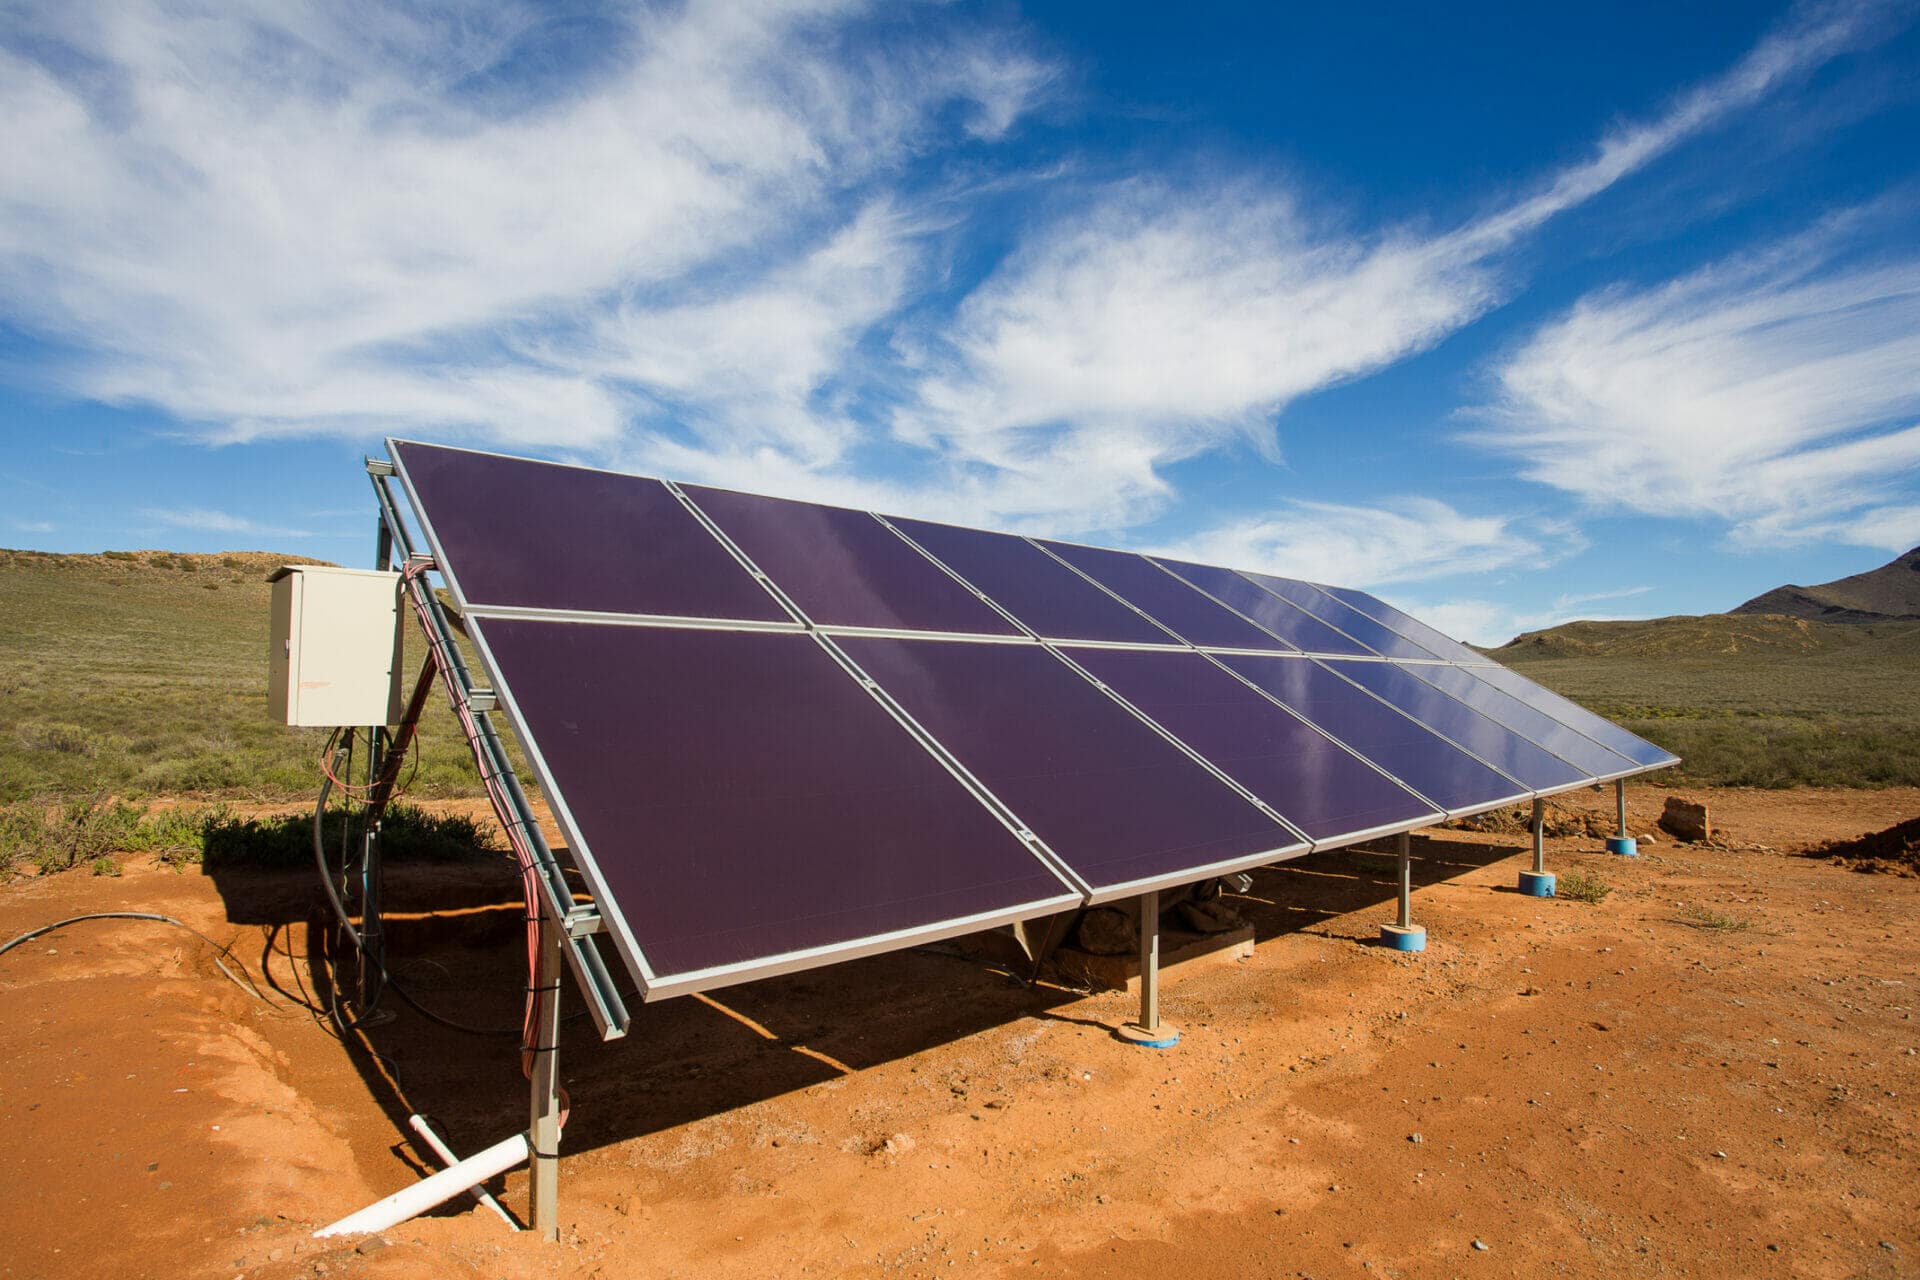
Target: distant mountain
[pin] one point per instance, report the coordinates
(1887, 594)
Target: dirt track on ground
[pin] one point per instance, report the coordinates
(1586, 1090)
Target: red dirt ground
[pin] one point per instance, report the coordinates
(1712, 1072)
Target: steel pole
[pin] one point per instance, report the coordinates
(1539, 837)
(1406, 881)
(543, 1132)
(1620, 805)
(1150, 960)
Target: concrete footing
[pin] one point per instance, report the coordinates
(1408, 938)
(1624, 846)
(1537, 884)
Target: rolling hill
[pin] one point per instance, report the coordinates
(1886, 594)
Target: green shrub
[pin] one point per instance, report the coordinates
(1582, 887)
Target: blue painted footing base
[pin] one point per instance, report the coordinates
(1160, 1037)
(1625, 846)
(1537, 884)
(1411, 938)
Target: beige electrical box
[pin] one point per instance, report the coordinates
(335, 653)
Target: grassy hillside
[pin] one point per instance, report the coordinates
(145, 672)
(139, 673)
(1747, 699)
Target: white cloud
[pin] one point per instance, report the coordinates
(1776, 393)
(695, 254)
(1407, 539)
(305, 217)
(32, 526)
(206, 520)
(1152, 324)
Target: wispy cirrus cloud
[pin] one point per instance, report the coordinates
(1405, 539)
(1776, 393)
(314, 217)
(207, 520)
(709, 249)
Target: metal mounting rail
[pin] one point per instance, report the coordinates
(581, 920)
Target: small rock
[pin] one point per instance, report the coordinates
(1481, 1245)
(152, 1167)
(274, 1255)
(372, 1244)
(1100, 1199)
(898, 1144)
(1414, 1137)
(1530, 991)
(1890, 1246)
(1719, 1155)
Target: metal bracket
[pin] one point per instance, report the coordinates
(481, 699)
(583, 920)
(379, 467)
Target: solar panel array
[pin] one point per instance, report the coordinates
(778, 734)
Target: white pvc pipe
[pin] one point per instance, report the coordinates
(411, 1202)
(419, 1125)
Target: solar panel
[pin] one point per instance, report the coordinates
(745, 798)
(1436, 642)
(1527, 763)
(742, 799)
(1316, 785)
(1635, 748)
(1380, 639)
(512, 533)
(1405, 748)
(1122, 807)
(1034, 587)
(1530, 722)
(846, 569)
(1283, 618)
(1173, 603)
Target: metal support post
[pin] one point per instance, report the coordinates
(543, 1134)
(373, 951)
(1403, 934)
(1623, 844)
(1149, 1031)
(1538, 883)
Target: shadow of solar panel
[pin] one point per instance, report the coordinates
(1031, 585)
(1526, 762)
(513, 533)
(1125, 809)
(1168, 600)
(1405, 748)
(1315, 784)
(739, 798)
(844, 568)
(1603, 731)
(1380, 639)
(1406, 624)
(1529, 722)
(1282, 617)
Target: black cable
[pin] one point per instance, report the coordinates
(353, 934)
(219, 950)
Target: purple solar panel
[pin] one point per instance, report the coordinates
(1323, 790)
(1532, 766)
(1287, 620)
(846, 569)
(1174, 604)
(1382, 640)
(1118, 803)
(742, 797)
(1529, 722)
(1603, 731)
(1034, 587)
(537, 535)
(1406, 624)
(1406, 749)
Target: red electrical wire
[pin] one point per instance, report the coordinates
(503, 810)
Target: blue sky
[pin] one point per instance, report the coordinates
(1513, 314)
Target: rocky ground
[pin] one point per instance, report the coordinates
(1711, 1071)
